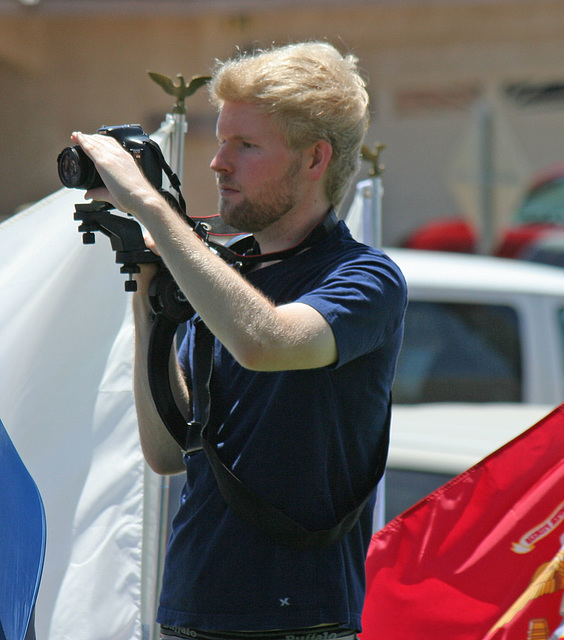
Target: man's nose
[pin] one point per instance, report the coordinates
(222, 162)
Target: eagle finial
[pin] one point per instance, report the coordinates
(374, 158)
(180, 89)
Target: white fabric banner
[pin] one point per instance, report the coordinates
(66, 352)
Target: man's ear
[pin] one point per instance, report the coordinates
(318, 157)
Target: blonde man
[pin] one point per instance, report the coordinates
(304, 356)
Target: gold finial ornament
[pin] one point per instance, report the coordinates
(180, 89)
(374, 158)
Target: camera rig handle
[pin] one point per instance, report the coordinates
(167, 302)
(125, 234)
(171, 309)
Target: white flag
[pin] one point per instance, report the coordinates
(66, 352)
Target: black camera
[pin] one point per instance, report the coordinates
(77, 171)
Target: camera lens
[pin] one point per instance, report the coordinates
(76, 170)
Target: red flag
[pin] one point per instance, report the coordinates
(479, 558)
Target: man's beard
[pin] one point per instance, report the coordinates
(269, 206)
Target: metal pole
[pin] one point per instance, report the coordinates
(372, 219)
(372, 234)
(179, 128)
(487, 224)
(177, 138)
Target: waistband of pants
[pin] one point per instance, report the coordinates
(322, 632)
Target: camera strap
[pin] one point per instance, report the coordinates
(198, 435)
(248, 504)
(244, 252)
(267, 518)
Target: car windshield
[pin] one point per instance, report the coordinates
(459, 352)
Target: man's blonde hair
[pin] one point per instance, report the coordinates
(313, 92)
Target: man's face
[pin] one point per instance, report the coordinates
(257, 175)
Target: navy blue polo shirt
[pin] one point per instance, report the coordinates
(307, 441)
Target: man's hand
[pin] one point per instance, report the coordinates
(126, 188)
(147, 270)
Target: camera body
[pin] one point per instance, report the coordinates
(77, 171)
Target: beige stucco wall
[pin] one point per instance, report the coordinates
(59, 73)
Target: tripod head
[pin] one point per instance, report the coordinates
(125, 234)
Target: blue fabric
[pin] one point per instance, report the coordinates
(22, 541)
(306, 441)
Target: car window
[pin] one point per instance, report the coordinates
(404, 488)
(543, 205)
(459, 352)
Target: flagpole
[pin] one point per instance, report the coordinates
(372, 234)
(373, 193)
(177, 134)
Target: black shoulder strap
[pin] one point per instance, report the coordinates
(197, 435)
(171, 309)
(250, 506)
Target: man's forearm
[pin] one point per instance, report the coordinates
(256, 332)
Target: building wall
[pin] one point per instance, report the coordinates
(430, 66)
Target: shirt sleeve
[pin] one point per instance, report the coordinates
(363, 301)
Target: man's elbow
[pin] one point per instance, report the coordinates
(272, 358)
(163, 465)
(254, 358)
(164, 468)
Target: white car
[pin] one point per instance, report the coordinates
(482, 360)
